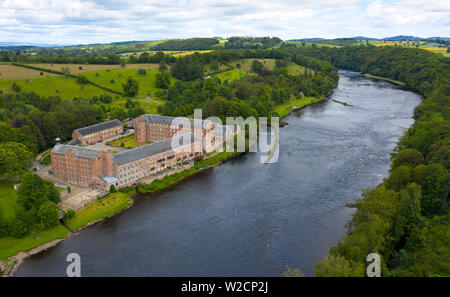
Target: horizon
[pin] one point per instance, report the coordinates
(77, 22)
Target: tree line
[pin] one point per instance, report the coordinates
(405, 219)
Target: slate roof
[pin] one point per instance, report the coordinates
(165, 120)
(151, 149)
(81, 152)
(98, 127)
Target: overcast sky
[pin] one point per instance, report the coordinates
(79, 21)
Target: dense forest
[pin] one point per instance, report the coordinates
(405, 219)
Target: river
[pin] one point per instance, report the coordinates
(245, 218)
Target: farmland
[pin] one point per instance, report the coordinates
(15, 72)
(113, 79)
(82, 68)
(66, 88)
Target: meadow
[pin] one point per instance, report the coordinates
(113, 79)
(294, 103)
(99, 209)
(14, 72)
(82, 68)
(64, 87)
(8, 201)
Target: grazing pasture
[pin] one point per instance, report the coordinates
(66, 88)
(75, 68)
(14, 72)
(113, 79)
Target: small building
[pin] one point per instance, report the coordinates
(97, 132)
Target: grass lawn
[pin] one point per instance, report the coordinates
(66, 88)
(128, 142)
(231, 75)
(8, 200)
(246, 64)
(10, 246)
(113, 79)
(99, 209)
(284, 109)
(169, 180)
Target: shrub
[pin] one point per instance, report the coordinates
(112, 189)
(142, 72)
(70, 213)
(18, 229)
(68, 189)
(48, 215)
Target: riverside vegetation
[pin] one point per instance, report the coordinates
(405, 219)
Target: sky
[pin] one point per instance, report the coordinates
(103, 21)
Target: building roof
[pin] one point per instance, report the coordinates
(176, 121)
(153, 148)
(109, 179)
(81, 152)
(98, 127)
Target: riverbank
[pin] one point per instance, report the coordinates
(13, 251)
(285, 109)
(397, 82)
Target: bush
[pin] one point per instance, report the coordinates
(112, 189)
(68, 189)
(48, 215)
(69, 214)
(142, 72)
(18, 229)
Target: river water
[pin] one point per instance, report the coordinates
(245, 218)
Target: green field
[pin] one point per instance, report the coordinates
(246, 66)
(128, 141)
(99, 209)
(231, 75)
(284, 109)
(8, 201)
(113, 79)
(66, 88)
(10, 246)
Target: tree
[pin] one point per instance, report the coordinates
(338, 266)
(399, 178)
(48, 215)
(14, 159)
(131, 87)
(163, 80)
(69, 214)
(435, 190)
(257, 66)
(112, 189)
(408, 157)
(33, 191)
(118, 113)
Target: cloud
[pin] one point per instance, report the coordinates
(91, 21)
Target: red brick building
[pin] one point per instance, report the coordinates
(81, 166)
(97, 133)
(151, 127)
(99, 169)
